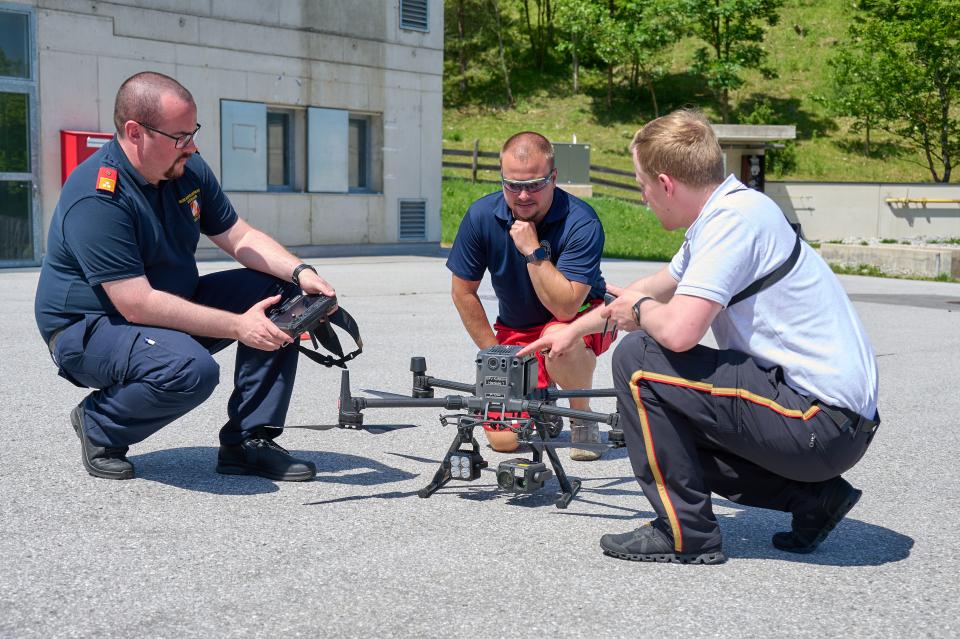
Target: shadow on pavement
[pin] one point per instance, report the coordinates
(192, 468)
(340, 468)
(748, 531)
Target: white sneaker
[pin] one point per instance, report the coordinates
(584, 433)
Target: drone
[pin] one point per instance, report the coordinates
(504, 396)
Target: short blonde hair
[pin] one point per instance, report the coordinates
(682, 145)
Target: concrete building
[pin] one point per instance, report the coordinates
(321, 117)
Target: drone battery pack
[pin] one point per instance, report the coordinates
(302, 313)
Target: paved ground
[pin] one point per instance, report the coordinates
(182, 551)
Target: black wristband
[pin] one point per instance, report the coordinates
(636, 308)
(296, 273)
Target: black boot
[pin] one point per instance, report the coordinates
(108, 463)
(262, 456)
(811, 527)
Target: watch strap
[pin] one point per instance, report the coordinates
(295, 278)
(541, 253)
(636, 308)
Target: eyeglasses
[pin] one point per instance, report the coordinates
(530, 186)
(181, 141)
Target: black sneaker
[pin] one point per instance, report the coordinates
(264, 457)
(649, 543)
(810, 528)
(108, 463)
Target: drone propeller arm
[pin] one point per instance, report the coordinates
(445, 383)
(450, 402)
(555, 393)
(540, 408)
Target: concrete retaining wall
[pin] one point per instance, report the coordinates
(834, 211)
(897, 260)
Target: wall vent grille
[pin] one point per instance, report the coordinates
(413, 15)
(413, 220)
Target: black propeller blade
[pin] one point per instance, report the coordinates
(383, 394)
(373, 429)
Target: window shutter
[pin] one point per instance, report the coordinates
(243, 146)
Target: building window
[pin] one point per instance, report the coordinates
(414, 15)
(358, 155)
(14, 133)
(19, 209)
(14, 45)
(280, 150)
(317, 150)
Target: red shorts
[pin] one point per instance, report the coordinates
(598, 343)
(521, 337)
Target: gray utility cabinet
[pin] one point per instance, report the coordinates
(573, 163)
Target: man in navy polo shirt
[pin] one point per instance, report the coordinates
(542, 247)
(124, 311)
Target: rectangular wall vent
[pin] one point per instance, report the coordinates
(413, 15)
(413, 220)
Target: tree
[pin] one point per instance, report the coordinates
(540, 31)
(652, 27)
(577, 20)
(910, 83)
(469, 41)
(611, 43)
(733, 31)
(854, 83)
(500, 28)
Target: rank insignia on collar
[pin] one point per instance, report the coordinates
(107, 179)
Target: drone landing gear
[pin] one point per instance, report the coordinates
(515, 475)
(468, 462)
(568, 487)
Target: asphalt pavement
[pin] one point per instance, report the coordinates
(181, 551)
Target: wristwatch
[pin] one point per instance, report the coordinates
(542, 253)
(295, 278)
(636, 308)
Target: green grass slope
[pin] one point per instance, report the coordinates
(799, 47)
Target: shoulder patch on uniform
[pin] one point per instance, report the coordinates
(107, 179)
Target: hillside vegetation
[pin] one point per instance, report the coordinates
(798, 47)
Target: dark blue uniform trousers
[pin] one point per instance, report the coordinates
(707, 421)
(147, 377)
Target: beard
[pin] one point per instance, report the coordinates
(176, 171)
(531, 214)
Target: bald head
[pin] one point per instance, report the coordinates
(528, 146)
(139, 99)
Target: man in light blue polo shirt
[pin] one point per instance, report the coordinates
(780, 411)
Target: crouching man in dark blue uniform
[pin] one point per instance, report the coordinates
(124, 311)
(784, 407)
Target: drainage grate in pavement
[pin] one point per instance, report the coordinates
(920, 301)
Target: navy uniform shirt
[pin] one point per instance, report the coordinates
(483, 242)
(111, 224)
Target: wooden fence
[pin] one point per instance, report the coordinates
(475, 165)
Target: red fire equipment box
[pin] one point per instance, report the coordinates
(77, 146)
